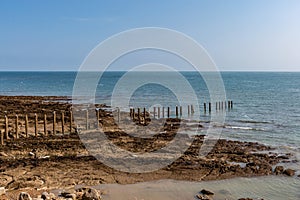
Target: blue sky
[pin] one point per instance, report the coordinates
(258, 35)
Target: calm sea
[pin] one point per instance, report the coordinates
(266, 105)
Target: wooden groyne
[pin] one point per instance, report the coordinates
(45, 124)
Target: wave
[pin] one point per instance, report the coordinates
(252, 122)
(244, 128)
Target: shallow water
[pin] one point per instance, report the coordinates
(268, 188)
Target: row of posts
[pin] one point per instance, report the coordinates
(160, 111)
(4, 134)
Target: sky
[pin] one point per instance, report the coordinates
(248, 35)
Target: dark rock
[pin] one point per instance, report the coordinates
(24, 196)
(87, 193)
(206, 192)
(289, 172)
(278, 170)
(203, 197)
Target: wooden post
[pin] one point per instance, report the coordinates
(87, 120)
(71, 121)
(192, 109)
(17, 126)
(209, 107)
(45, 124)
(180, 110)
(228, 105)
(63, 122)
(98, 118)
(231, 103)
(36, 125)
(119, 115)
(204, 105)
(26, 126)
(144, 114)
(54, 122)
(158, 112)
(163, 112)
(139, 115)
(154, 112)
(216, 105)
(2, 137)
(176, 111)
(133, 114)
(189, 112)
(219, 105)
(168, 112)
(222, 105)
(6, 127)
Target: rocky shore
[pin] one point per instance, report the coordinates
(46, 163)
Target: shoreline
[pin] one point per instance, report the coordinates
(62, 161)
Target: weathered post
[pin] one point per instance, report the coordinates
(119, 115)
(144, 113)
(87, 120)
(189, 112)
(133, 114)
(36, 125)
(139, 115)
(45, 124)
(231, 103)
(71, 121)
(209, 107)
(204, 106)
(26, 125)
(192, 109)
(154, 112)
(163, 112)
(168, 114)
(63, 122)
(228, 105)
(97, 117)
(176, 111)
(180, 111)
(54, 123)
(216, 105)
(219, 105)
(17, 126)
(2, 137)
(6, 127)
(158, 112)
(222, 105)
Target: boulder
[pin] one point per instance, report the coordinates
(278, 170)
(203, 197)
(87, 193)
(48, 196)
(206, 192)
(24, 196)
(289, 172)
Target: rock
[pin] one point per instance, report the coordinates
(2, 191)
(203, 197)
(278, 170)
(48, 196)
(289, 172)
(206, 192)
(87, 193)
(24, 196)
(68, 195)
